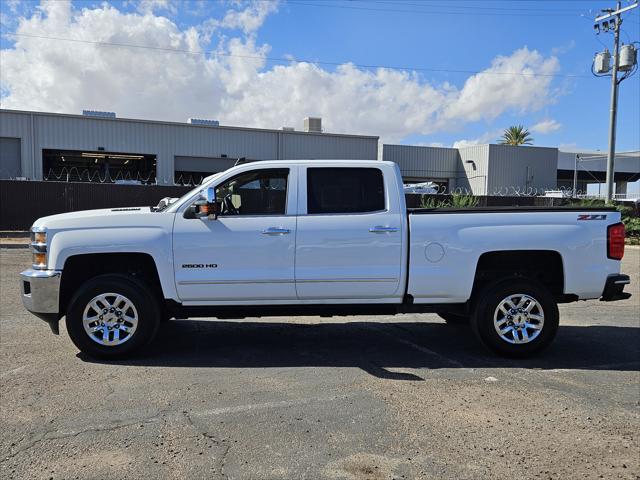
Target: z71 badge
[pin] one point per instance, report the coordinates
(199, 265)
(592, 217)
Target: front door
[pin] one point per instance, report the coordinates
(247, 253)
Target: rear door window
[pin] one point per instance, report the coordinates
(344, 190)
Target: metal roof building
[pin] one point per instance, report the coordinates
(37, 146)
(99, 147)
(492, 169)
(591, 167)
(479, 169)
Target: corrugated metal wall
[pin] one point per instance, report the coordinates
(168, 140)
(203, 164)
(423, 162)
(10, 158)
(18, 125)
(527, 169)
(479, 169)
(474, 169)
(625, 162)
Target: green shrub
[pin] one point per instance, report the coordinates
(432, 202)
(457, 200)
(632, 226)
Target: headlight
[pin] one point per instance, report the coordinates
(39, 248)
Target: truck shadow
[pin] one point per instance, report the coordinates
(376, 347)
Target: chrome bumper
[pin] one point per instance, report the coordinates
(41, 292)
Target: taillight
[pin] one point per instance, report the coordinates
(615, 241)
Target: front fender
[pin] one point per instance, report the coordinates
(152, 240)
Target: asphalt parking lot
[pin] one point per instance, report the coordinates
(347, 398)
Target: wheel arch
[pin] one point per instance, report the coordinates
(82, 267)
(543, 266)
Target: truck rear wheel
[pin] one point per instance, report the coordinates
(112, 316)
(515, 317)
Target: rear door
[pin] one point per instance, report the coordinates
(349, 242)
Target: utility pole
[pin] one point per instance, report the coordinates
(614, 23)
(613, 112)
(575, 176)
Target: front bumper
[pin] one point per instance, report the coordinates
(614, 288)
(41, 294)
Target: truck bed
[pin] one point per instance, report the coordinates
(444, 250)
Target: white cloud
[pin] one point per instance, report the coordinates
(250, 18)
(67, 77)
(152, 6)
(487, 137)
(13, 5)
(495, 90)
(547, 125)
(562, 49)
(570, 147)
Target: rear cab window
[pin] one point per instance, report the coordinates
(344, 190)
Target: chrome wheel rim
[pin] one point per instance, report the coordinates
(110, 319)
(518, 319)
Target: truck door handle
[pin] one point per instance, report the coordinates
(276, 231)
(381, 229)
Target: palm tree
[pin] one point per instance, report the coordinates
(516, 135)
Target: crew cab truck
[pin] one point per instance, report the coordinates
(317, 237)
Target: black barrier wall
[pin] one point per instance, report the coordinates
(21, 203)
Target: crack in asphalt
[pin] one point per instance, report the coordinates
(47, 435)
(205, 433)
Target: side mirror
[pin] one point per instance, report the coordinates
(205, 207)
(210, 195)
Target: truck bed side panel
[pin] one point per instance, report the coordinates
(445, 248)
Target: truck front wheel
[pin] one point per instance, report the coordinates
(515, 317)
(111, 316)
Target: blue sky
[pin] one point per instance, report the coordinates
(469, 40)
(444, 42)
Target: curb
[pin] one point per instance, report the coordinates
(14, 246)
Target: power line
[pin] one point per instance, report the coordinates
(289, 60)
(432, 12)
(466, 7)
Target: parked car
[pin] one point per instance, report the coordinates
(318, 237)
(421, 188)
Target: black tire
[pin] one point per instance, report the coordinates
(486, 304)
(140, 296)
(454, 318)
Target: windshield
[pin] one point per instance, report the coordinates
(175, 205)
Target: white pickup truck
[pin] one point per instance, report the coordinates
(317, 238)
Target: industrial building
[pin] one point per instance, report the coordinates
(492, 169)
(478, 169)
(98, 147)
(590, 167)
